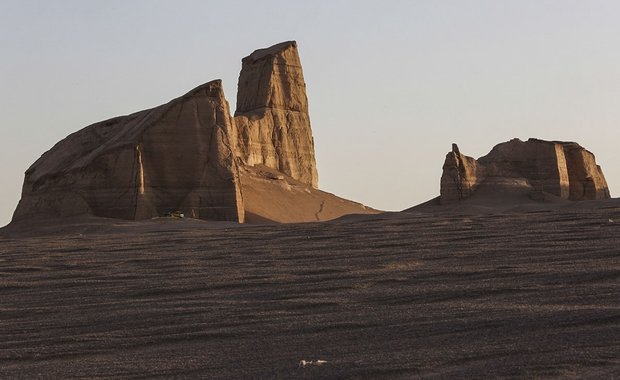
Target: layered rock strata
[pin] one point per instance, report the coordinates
(563, 169)
(585, 177)
(272, 121)
(175, 157)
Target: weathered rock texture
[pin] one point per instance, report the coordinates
(585, 177)
(563, 169)
(173, 157)
(272, 121)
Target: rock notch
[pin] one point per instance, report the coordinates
(272, 121)
(173, 157)
(562, 169)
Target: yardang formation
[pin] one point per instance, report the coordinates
(535, 167)
(191, 156)
(173, 157)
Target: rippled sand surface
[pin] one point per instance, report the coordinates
(433, 295)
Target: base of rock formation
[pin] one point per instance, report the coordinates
(270, 196)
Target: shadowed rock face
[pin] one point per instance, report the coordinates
(272, 121)
(563, 169)
(173, 157)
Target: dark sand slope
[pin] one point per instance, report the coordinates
(520, 294)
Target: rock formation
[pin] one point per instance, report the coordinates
(191, 156)
(173, 157)
(563, 169)
(272, 121)
(461, 175)
(585, 177)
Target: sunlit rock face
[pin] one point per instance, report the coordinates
(272, 121)
(586, 179)
(563, 169)
(175, 157)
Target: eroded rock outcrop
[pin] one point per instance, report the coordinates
(563, 169)
(585, 177)
(176, 156)
(461, 175)
(190, 156)
(272, 121)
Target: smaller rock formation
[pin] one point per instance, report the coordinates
(563, 169)
(271, 120)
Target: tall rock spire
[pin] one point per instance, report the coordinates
(272, 121)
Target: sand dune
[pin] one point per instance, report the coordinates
(273, 197)
(433, 294)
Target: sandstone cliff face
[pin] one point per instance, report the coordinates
(173, 157)
(563, 169)
(542, 163)
(586, 179)
(272, 125)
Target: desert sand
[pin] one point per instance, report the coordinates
(434, 292)
(504, 274)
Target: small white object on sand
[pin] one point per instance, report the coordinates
(304, 363)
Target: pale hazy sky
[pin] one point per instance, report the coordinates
(391, 84)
